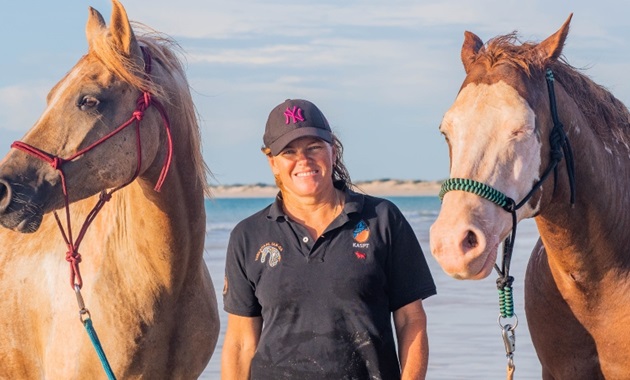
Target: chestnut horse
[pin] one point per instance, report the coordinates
(504, 131)
(142, 277)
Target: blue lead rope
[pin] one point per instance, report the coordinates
(99, 349)
(86, 319)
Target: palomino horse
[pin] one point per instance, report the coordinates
(143, 279)
(505, 132)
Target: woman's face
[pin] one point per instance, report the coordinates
(304, 167)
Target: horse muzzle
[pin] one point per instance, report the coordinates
(18, 211)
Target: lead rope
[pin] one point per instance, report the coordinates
(72, 255)
(560, 147)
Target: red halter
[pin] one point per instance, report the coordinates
(142, 104)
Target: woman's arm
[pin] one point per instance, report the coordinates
(239, 346)
(413, 344)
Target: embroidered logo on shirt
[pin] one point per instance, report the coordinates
(293, 115)
(360, 255)
(273, 251)
(361, 234)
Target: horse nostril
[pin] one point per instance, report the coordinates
(471, 240)
(5, 195)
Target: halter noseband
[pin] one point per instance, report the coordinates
(144, 101)
(560, 148)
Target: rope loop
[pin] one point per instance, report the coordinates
(147, 98)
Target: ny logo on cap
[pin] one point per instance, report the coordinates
(293, 115)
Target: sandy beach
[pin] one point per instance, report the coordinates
(385, 187)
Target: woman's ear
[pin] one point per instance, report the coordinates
(272, 164)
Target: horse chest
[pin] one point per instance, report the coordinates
(578, 332)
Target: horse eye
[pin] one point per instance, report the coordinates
(88, 102)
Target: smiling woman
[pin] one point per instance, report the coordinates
(312, 280)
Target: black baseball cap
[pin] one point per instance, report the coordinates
(292, 119)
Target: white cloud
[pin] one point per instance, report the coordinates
(20, 106)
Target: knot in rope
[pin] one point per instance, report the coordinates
(143, 102)
(557, 140)
(138, 115)
(504, 281)
(510, 205)
(57, 162)
(72, 256)
(105, 196)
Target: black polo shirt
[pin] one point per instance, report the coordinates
(326, 304)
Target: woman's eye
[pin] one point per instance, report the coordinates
(88, 102)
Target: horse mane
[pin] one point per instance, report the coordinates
(604, 112)
(163, 50)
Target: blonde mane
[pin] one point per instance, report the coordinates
(603, 110)
(163, 52)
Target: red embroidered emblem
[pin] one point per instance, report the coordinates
(293, 115)
(360, 255)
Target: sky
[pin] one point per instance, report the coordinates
(383, 72)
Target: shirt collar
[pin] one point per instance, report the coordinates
(353, 203)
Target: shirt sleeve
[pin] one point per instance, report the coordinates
(239, 292)
(409, 276)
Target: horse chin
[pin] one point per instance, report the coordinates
(25, 225)
(475, 272)
(29, 225)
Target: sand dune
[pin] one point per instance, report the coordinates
(383, 187)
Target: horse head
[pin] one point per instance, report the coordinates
(498, 133)
(73, 155)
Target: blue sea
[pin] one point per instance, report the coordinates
(464, 335)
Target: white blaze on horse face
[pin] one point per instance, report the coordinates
(60, 91)
(493, 140)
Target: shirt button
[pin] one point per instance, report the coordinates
(305, 239)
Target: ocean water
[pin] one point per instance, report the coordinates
(464, 335)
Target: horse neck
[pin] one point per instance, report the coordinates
(590, 236)
(157, 237)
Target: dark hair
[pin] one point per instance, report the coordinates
(340, 172)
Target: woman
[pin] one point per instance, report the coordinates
(311, 280)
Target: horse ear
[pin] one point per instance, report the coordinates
(121, 31)
(470, 48)
(95, 25)
(551, 48)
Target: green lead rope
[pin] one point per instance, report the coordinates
(506, 302)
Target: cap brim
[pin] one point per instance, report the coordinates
(277, 146)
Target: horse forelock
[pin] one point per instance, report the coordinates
(163, 52)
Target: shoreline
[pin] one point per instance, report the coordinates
(385, 187)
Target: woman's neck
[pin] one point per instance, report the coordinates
(314, 212)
